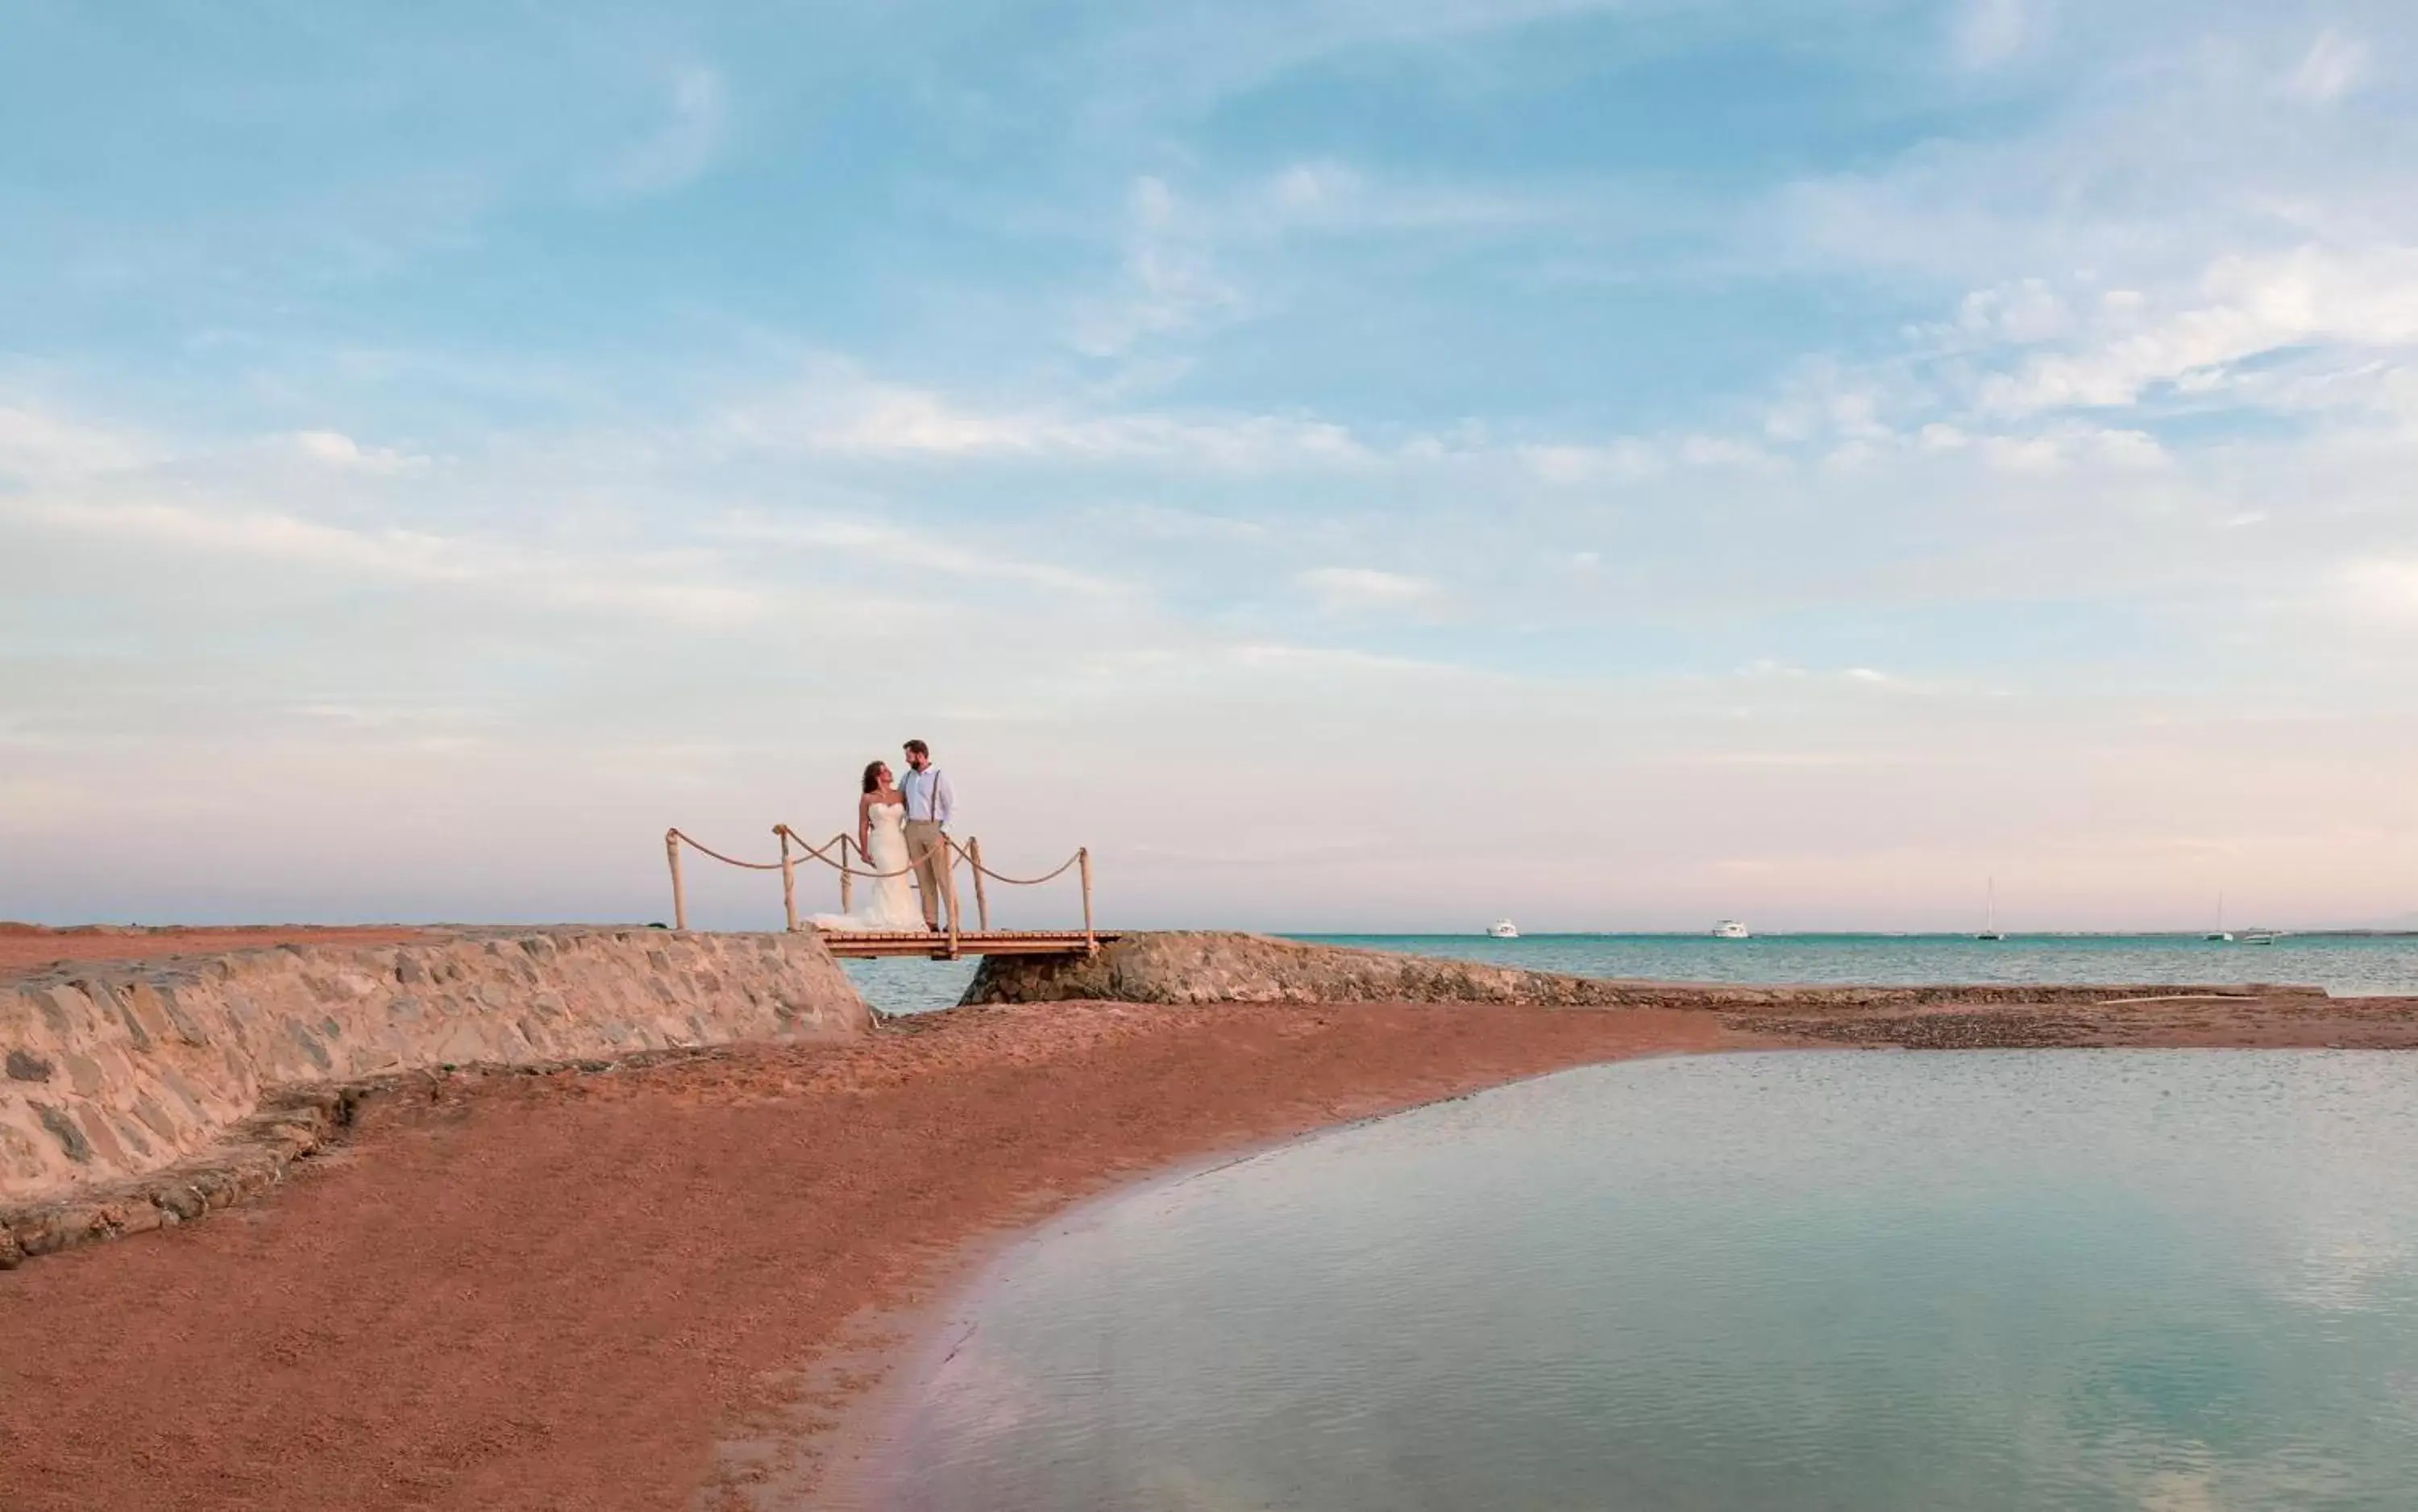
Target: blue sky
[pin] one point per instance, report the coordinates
(1353, 465)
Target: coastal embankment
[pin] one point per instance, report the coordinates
(138, 1093)
(648, 1286)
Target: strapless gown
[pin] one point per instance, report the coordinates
(886, 905)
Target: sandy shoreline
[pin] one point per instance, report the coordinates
(539, 1291)
(613, 1290)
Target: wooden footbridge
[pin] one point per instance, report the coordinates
(944, 946)
(947, 942)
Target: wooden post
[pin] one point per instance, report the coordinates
(1083, 865)
(847, 878)
(679, 901)
(949, 889)
(982, 903)
(789, 878)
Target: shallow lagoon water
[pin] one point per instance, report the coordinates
(2170, 1280)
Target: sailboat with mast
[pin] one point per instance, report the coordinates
(2220, 934)
(1990, 914)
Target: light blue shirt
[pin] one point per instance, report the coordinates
(927, 795)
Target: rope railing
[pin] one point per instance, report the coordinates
(846, 844)
(973, 859)
(969, 852)
(675, 839)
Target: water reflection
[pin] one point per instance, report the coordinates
(2170, 1280)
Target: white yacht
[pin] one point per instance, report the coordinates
(1729, 929)
(2220, 935)
(1990, 929)
(1503, 929)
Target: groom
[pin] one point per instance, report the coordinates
(929, 804)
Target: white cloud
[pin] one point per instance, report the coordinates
(2024, 313)
(877, 540)
(1625, 460)
(545, 579)
(334, 448)
(1722, 451)
(2335, 65)
(2058, 448)
(1338, 198)
(1170, 286)
(2385, 589)
(1769, 670)
(1633, 459)
(1342, 590)
(839, 412)
(2248, 307)
(37, 443)
(684, 146)
(1178, 252)
(1984, 34)
(1160, 522)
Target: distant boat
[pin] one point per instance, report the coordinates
(2260, 937)
(2220, 934)
(1503, 929)
(1990, 914)
(1729, 929)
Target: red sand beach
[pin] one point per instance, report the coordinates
(561, 1291)
(566, 1290)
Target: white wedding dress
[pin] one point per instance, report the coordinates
(890, 908)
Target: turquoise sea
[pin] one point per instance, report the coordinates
(2368, 965)
(2013, 1281)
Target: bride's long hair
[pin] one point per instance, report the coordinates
(872, 775)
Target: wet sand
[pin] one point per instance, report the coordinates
(569, 1291)
(563, 1291)
(25, 948)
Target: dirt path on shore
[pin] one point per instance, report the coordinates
(561, 1291)
(25, 948)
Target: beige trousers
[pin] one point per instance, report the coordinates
(927, 852)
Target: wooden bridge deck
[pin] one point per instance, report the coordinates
(973, 942)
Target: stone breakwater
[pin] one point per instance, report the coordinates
(1209, 967)
(114, 1073)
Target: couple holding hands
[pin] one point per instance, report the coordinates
(901, 831)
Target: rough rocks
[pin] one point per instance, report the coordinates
(114, 1073)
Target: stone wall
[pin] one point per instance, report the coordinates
(1206, 968)
(109, 1073)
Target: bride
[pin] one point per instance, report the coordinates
(881, 840)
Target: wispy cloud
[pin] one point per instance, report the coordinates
(1352, 590)
(1180, 254)
(1159, 381)
(684, 146)
(914, 551)
(1984, 34)
(2335, 65)
(840, 412)
(553, 580)
(42, 443)
(334, 448)
(1171, 284)
(2365, 300)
